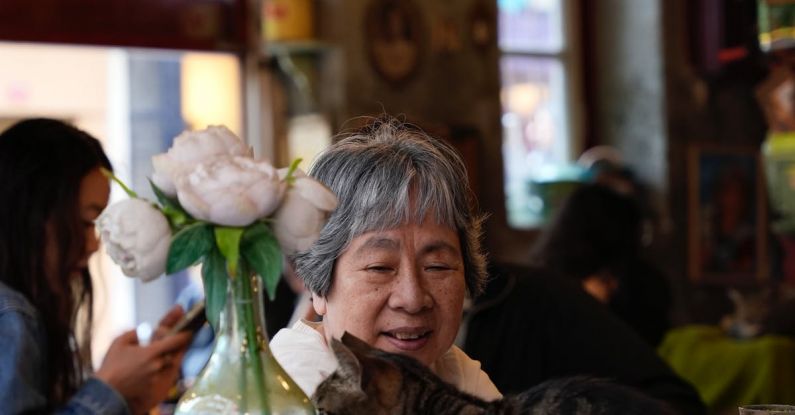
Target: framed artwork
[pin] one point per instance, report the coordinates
(727, 216)
(394, 38)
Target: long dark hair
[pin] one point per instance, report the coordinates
(596, 229)
(42, 165)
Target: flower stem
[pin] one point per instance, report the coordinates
(245, 312)
(293, 166)
(109, 174)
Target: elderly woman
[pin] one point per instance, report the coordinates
(395, 260)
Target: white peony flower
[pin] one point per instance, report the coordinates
(137, 238)
(302, 215)
(191, 148)
(231, 191)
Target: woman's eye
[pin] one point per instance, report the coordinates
(379, 268)
(438, 267)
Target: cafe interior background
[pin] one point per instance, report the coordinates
(685, 90)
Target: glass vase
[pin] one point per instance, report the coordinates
(241, 376)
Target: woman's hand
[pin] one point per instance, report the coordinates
(144, 374)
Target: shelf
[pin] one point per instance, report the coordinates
(298, 47)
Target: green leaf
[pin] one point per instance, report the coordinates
(261, 250)
(188, 246)
(163, 198)
(228, 241)
(171, 207)
(215, 281)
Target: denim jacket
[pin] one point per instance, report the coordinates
(23, 362)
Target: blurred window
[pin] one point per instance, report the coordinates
(536, 68)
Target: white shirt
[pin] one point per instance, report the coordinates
(302, 352)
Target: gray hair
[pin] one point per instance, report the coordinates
(385, 176)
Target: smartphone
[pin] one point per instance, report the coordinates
(192, 321)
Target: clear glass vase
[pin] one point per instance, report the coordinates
(241, 376)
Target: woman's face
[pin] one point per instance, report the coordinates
(92, 200)
(400, 290)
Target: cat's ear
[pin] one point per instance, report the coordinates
(349, 367)
(376, 375)
(356, 345)
(342, 390)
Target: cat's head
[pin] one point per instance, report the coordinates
(374, 382)
(364, 382)
(751, 313)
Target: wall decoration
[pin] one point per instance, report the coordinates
(288, 20)
(727, 216)
(394, 38)
(445, 35)
(483, 25)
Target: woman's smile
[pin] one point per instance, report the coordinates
(407, 339)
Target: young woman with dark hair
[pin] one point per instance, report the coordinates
(51, 191)
(596, 238)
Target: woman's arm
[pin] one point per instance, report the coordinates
(22, 370)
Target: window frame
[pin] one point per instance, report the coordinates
(570, 58)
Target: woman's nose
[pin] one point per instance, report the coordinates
(409, 293)
(92, 241)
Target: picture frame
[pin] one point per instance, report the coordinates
(727, 216)
(394, 39)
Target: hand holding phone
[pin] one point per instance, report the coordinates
(192, 321)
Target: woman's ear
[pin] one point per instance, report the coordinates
(319, 304)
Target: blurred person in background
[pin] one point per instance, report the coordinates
(533, 324)
(596, 239)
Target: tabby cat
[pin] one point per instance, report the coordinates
(760, 312)
(373, 382)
